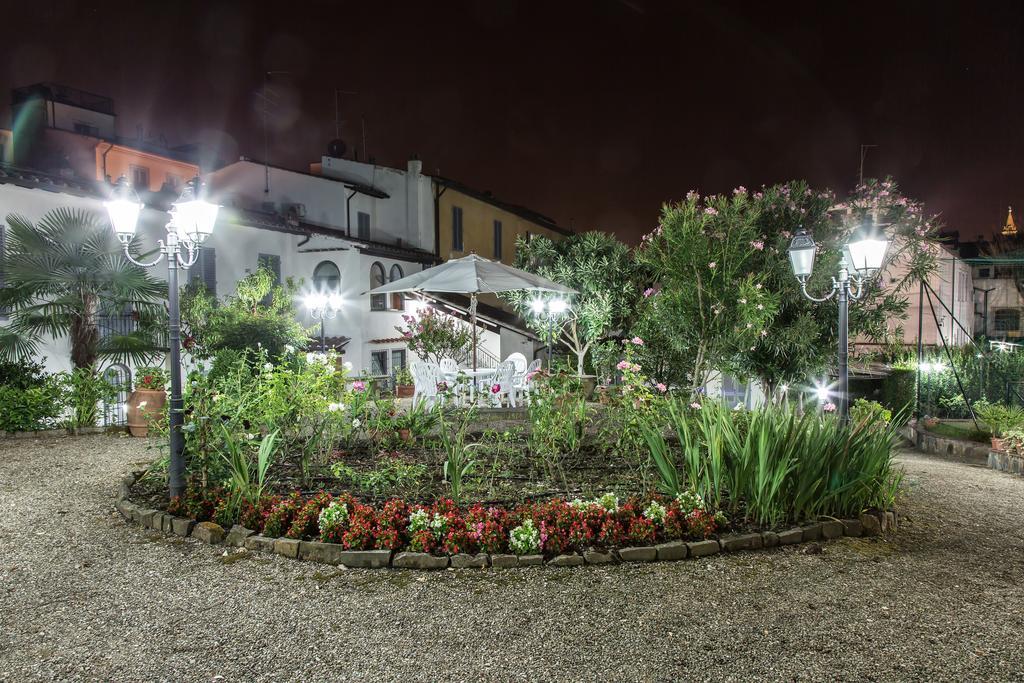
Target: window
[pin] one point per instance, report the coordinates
(363, 221)
(1007, 320)
(497, 240)
(984, 273)
(83, 128)
(397, 300)
(140, 177)
(378, 362)
(397, 359)
(205, 269)
(378, 302)
(456, 228)
(173, 182)
(326, 276)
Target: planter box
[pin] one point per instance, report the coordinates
(404, 390)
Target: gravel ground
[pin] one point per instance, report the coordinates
(83, 596)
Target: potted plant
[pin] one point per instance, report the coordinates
(404, 387)
(416, 422)
(148, 399)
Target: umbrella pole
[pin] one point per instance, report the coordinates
(472, 315)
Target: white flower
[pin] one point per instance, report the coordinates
(310, 357)
(335, 407)
(356, 423)
(288, 348)
(348, 366)
(738, 406)
(268, 367)
(250, 436)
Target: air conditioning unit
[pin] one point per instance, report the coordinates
(268, 207)
(295, 210)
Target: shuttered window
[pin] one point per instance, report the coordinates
(497, 240)
(205, 269)
(363, 219)
(456, 228)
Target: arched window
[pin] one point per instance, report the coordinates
(378, 302)
(397, 301)
(326, 276)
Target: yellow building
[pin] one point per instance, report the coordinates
(468, 221)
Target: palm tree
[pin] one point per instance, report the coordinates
(61, 275)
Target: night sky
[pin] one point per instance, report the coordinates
(591, 112)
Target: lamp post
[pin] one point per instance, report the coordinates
(864, 253)
(192, 221)
(323, 306)
(549, 312)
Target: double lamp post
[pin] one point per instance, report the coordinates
(865, 254)
(191, 221)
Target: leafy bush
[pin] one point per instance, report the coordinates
(152, 378)
(899, 389)
(1000, 419)
(773, 466)
(22, 375)
(433, 335)
(870, 413)
(30, 409)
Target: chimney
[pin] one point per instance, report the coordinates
(414, 203)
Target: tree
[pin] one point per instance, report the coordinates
(601, 269)
(261, 313)
(711, 304)
(62, 274)
(801, 338)
(433, 335)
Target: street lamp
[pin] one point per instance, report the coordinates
(192, 221)
(549, 311)
(865, 253)
(323, 306)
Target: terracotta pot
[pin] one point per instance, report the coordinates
(154, 404)
(405, 434)
(997, 444)
(404, 390)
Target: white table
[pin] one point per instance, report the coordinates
(475, 376)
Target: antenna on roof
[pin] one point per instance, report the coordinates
(266, 134)
(338, 92)
(863, 153)
(362, 120)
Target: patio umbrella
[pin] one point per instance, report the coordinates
(472, 275)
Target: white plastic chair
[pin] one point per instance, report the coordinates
(524, 383)
(425, 377)
(449, 365)
(520, 362)
(504, 377)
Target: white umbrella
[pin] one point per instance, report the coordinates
(472, 275)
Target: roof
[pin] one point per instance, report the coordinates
(278, 223)
(362, 188)
(64, 94)
(30, 178)
(521, 211)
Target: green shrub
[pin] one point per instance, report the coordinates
(770, 465)
(870, 413)
(1000, 418)
(899, 389)
(32, 408)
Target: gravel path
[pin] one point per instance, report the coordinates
(83, 596)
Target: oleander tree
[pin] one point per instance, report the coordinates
(606, 277)
(711, 302)
(801, 337)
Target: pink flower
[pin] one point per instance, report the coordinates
(638, 341)
(695, 405)
(358, 386)
(495, 388)
(661, 387)
(740, 190)
(711, 211)
(758, 244)
(712, 265)
(622, 365)
(829, 407)
(787, 234)
(648, 292)
(635, 367)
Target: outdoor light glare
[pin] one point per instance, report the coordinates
(537, 306)
(123, 208)
(557, 306)
(315, 301)
(784, 388)
(801, 254)
(193, 216)
(334, 300)
(822, 392)
(865, 252)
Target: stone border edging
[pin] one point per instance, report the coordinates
(1005, 461)
(867, 524)
(936, 444)
(71, 431)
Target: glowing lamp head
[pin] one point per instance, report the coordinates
(865, 252)
(557, 306)
(822, 392)
(123, 209)
(801, 254)
(537, 306)
(315, 301)
(193, 216)
(334, 301)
